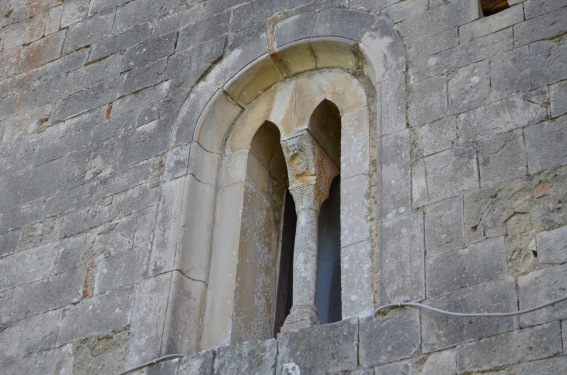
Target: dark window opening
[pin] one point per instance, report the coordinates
(490, 7)
(285, 279)
(328, 290)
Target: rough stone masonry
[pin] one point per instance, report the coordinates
(116, 119)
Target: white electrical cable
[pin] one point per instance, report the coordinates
(152, 362)
(481, 315)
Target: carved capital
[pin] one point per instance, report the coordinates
(310, 169)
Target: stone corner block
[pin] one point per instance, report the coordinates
(198, 364)
(388, 339)
(552, 246)
(251, 357)
(319, 349)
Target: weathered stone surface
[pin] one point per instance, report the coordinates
(552, 246)
(529, 31)
(89, 31)
(329, 347)
(396, 174)
(428, 101)
(9, 242)
(442, 331)
(558, 98)
(444, 227)
(119, 41)
(403, 367)
(502, 157)
(440, 363)
(509, 348)
(247, 358)
(451, 172)
(402, 257)
(510, 72)
(390, 338)
(82, 320)
(548, 57)
(542, 367)
(27, 266)
(540, 287)
(198, 364)
(437, 136)
(339, 22)
(545, 144)
(469, 87)
(102, 353)
(487, 25)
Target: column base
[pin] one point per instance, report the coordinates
(299, 317)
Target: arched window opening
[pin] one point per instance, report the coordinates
(257, 277)
(328, 292)
(285, 277)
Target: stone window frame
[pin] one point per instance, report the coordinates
(183, 240)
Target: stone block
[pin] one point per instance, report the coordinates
(441, 331)
(184, 314)
(402, 258)
(54, 361)
(439, 19)
(531, 30)
(396, 175)
(419, 193)
(437, 136)
(254, 12)
(319, 349)
(542, 367)
(509, 348)
(144, 76)
(487, 25)
(9, 242)
(356, 274)
(545, 144)
(97, 6)
(247, 358)
(140, 99)
(405, 9)
(558, 94)
(534, 8)
(390, 338)
(92, 74)
(84, 319)
(139, 11)
(355, 157)
(101, 354)
(552, 246)
(469, 87)
(440, 363)
(40, 332)
(176, 163)
(198, 364)
(89, 31)
(480, 262)
(135, 199)
(74, 11)
(149, 51)
(343, 23)
(502, 157)
(546, 61)
(540, 287)
(149, 307)
(294, 28)
(393, 109)
(121, 269)
(444, 227)
(27, 266)
(91, 98)
(510, 72)
(48, 294)
(498, 117)
(204, 31)
(451, 172)
(354, 210)
(119, 41)
(428, 101)
(403, 367)
(433, 45)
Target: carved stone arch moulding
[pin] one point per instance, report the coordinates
(362, 71)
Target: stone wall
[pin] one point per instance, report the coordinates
(99, 101)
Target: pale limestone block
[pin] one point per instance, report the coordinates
(203, 164)
(198, 216)
(354, 143)
(334, 54)
(354, 210)
(393, 104)
(297, 58)
(356, 280)
(234, 167)
(419, 193)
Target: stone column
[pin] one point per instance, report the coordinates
(310, 172)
